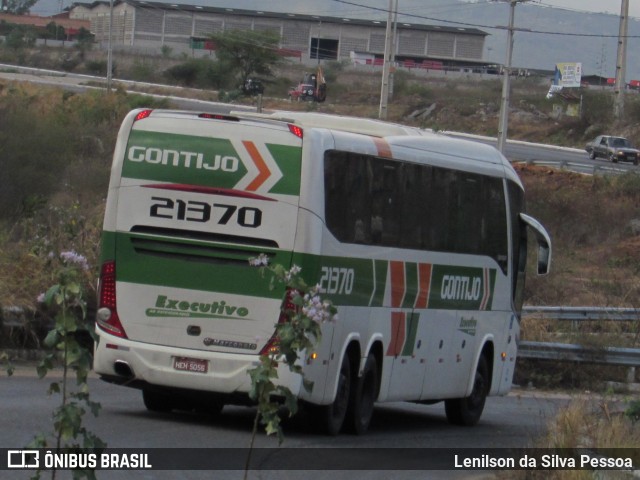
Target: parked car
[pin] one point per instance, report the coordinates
(613, 149)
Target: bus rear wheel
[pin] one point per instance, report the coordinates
(365, 396)
(157, 401)
(467, 411)
(331, 417)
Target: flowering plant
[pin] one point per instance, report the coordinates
(66, 299)
(304, 311)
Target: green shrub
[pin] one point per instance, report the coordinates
(143, 71)
(597, 108)
(627, 185)
(199, 72)
(98, 67)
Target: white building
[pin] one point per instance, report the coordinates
(148, 26)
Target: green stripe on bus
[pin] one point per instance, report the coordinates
(108, 246)
(411, 284)
(381, 269)
(167, 157)
(218, 267)
(221, 270)
(492, 282)
(411, 332)
(461, 288)
(289, 162)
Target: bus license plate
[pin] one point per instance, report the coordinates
(185, 364)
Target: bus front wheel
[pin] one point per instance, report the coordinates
(332, 416)
(467, 411)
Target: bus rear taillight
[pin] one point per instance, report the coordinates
(288, 306)
(142, 115)
(107, 317)
(296, 130)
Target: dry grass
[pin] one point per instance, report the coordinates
(589, 423)
(596, 258)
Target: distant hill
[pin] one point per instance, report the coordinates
(531, 50)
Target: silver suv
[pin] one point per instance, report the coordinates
(613, 149)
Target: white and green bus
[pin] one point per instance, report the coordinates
(418, 239)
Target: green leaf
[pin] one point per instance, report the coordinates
(95, 407)
(45, 365)
(51, 293)
(52, 338)
(291, 403)
(67, 321)
(39, 441)
(74, 288)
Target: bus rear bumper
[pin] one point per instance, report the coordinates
(142, 365)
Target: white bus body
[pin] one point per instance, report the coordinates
(417, 238)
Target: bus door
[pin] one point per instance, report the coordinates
(407, 345)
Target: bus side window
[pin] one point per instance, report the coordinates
(377, 201)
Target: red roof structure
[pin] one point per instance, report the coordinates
(62, 20)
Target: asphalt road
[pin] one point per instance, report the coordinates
(512, 421)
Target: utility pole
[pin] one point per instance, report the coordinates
(503, 123)
(110, 47)
(319, 38)
(392, 68)
(621, 63)
(386, 68)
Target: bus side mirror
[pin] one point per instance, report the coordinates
(544, 243)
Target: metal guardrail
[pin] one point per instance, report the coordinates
(629, 357)
(580, 167)
(583, 313)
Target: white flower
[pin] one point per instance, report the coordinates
(261, 260)
(317, 309)
(40, 298)
(74, 258)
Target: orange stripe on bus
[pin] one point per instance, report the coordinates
(398, 333)
(383, 147)
(263, 170)
(397, 283)
(424, 279)
(487, 291)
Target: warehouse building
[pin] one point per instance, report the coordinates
(149, 26)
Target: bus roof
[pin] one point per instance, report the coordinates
(396, 134)
(363, 126)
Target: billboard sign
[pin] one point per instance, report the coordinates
(568, 74)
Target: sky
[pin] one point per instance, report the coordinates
(608, 6)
